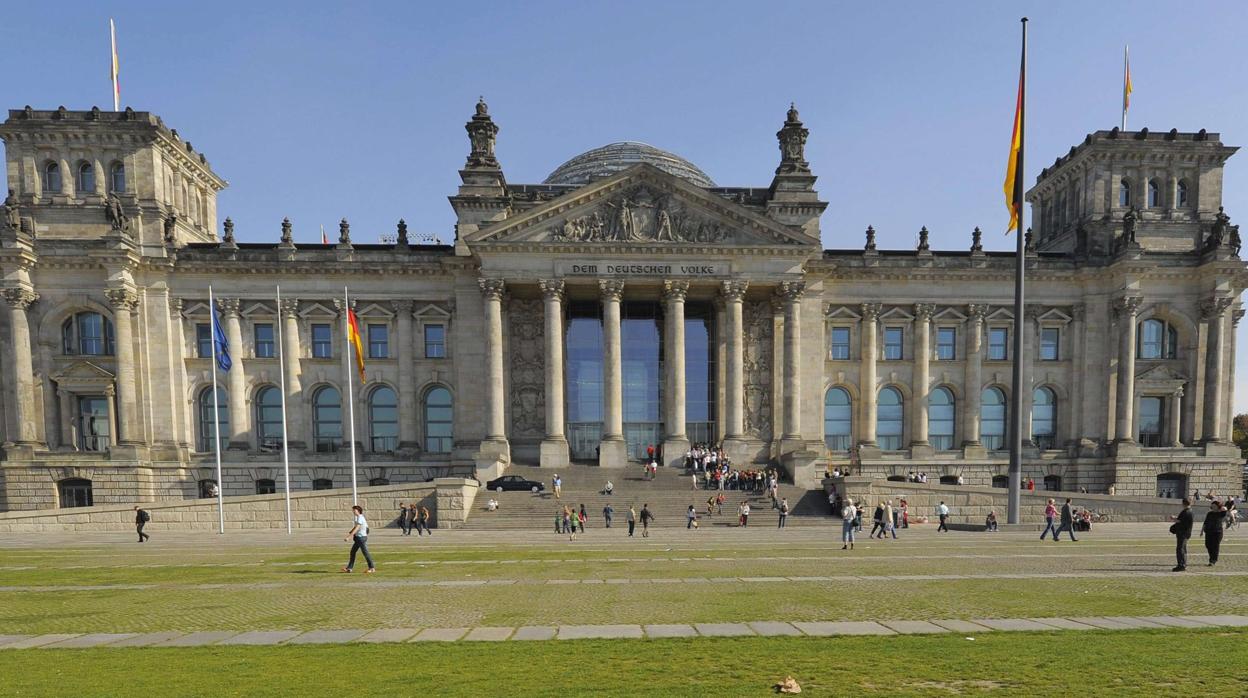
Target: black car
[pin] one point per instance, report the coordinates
(514, 483)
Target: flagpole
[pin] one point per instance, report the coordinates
(116, 86)
(346, 333)
(1126, 80)
(1020, 256)
(216, 414)
(281, 371)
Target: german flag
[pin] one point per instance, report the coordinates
(1014, 166)
(353, 336)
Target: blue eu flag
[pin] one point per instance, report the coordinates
(218, 340)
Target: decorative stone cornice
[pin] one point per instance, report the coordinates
(19, 298)
(552, 289)
(122, 298)
(675, 290)
(870, 312)
(229, 306)
(733, 290)
(791, 291)
(923, 311)
(1214, 306)
(611, 289)
(492, 288)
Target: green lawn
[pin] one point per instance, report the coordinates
(1171, 662)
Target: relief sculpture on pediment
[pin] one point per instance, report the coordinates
(641, 216)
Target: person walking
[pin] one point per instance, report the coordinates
(942, 512)
(1212, 531)
(413, 517)
(1050, 520)
(556, 484)
(358, 535)
(581, 518)
(1182, 530)
(693, 477)
(784, 512)
(607, 513)
(141, 517)
(1068, 523)
(745, 514)
(632, 520)
(402, 520)
(849, 515)
(422, 521)
(877, 521)
(889, 522)
(646, 518)
(692, 517)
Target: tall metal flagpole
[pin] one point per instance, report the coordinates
(346, 334)
(216, 415)
(1020, 356)
(281, 371)
(115, 68)
(1126, 80)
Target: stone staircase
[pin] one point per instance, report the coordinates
(668, 495)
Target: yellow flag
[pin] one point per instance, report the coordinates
(1012, 200)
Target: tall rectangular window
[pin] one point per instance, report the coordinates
(946, 343)
(1049, 341)
(264, 341)
(893, 337)
(1151, 419)
(998, 344)
(435, 341)
(203, 340)
(378, 341)
(840, 343)
(322, 342)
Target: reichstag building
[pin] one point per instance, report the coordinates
(626, 301)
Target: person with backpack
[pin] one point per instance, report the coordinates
(141, 517)
(784, 512)
(646, 518)
(422, 521)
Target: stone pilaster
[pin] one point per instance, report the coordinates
(869, 340)
(612, 450)
(124, 302)
(19, 300)
(676, 439)
(1125, 309)
(554, 448)
(733, 293)
(1214, 310)
(920, 447)
(296, 423)
(971, 446)
(1031, 353)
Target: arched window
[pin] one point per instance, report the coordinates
(51, 178)
(378, 482)
(1157, 340)
(383, 420)
(940, 419)
(327, 419)
(322, 483)
(1154, 194)
(1053, 483)
(1043, 418)
(207, 427)
(837, 420)
(992, 419)
(74, 492)
(269, 418)
(1171, 485)
(86, 178)
(266, 486)
(890, 419)
(1124, 193)
(89, 334)
(438, 422)
(117, 178)
(1181, 194)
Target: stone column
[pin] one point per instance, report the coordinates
(922, 377)
(612, 450)
(791, 292)
(124, 302)
(236, 379)
(1175, 416)
(18, 300)
(554, 448)
(1213, 310)
(295, 422)
(870, 335)
(734, 392)
(1125, 310)
(1075, 411)
(408, 345)
(974, 379)
(495, 395)
(676, 441)
(1031, 353)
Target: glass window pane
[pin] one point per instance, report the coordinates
(435, 341)
(940, 419)
(264, 341)
(1049, 337)
(837, 420)
(893, 337)
(946, 343)
(890, 419)
(998, 343)
(378, 341)
(840, 343)
(322, 342)
(203, 340)
(992, 419)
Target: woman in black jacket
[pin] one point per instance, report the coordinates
(1212, 531)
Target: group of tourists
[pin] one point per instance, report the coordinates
(724, 477)
(1215, 524)
(704, 458)
(413, 516)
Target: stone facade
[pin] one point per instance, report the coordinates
(108, 247)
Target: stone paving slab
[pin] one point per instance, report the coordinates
(1134, 622)
(962, 626)
(1065, 623)
(146, 639)
(826, 629)
(440, 635)
(582, 632)
(1012, 624)
(1175, 622)
(321, 637)
(92, 640)
(261, 637)
(6, 639)
(535, 632)
(1102, 623)
(488, 634)
(772, 628)
(913, 627)
(28, 641)
(1236, 621)
(723, 629)
(679, 630)
(389, 635)
(198, 639)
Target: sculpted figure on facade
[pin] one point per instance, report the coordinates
(12, 215)
(759, 330)
(641, 216)
(528, 365)
(115, 215)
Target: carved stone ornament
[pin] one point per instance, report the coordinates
(230, 307)
(228, 238)
(288, 234)
(402, 232)
(1214, 306)
(924, 245)
(481, 134)
(1126, 306)
(757, 364)
(122, 298)
(290, 308)
(528, 368)
(1078, 311)
(792, 138)
(870, 246)
(12, 212)
(870, 312)
(492, 288)
(171, 225)
(791, 291)
(923, 311)
(611, 289)
(977, 240)
(19, 298)
(675, 290)
(344, 232)
(403, 307)
(976, 312)
(115, 215)
(552, 289)
(733, 290)
(642, 215)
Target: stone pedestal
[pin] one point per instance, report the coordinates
(803, 466)
(612, 453)
(922, 451)
(554, 453)
(1126, 447)
(974, 451)
(674, 452)
(492, 459)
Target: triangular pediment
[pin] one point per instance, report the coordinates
(642, 206)
(841, 312)
(1160, 374)
(82, 372)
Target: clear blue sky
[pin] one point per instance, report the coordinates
(318, 111)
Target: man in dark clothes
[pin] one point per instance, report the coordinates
(141, 517)
(1182, 530)
(1212, 531)
(1067, 523)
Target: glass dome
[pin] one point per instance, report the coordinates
(617, 157)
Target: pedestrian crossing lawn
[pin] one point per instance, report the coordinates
(1106, 663)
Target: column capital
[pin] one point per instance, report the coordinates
(675, 290)
(175, 307)
(552, 289)
(791, 291)
(20, 298)
(1237, 316)
(1214, 306)
(492, 288)
(923, 311)
(338, 303)
(122, 298)
(976, 312)
(870, 312)
(290, 308)
(1126, 305)
(230, 306)
(1033, 313)
(734, 290)
(1079, 311)
(611, 289)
